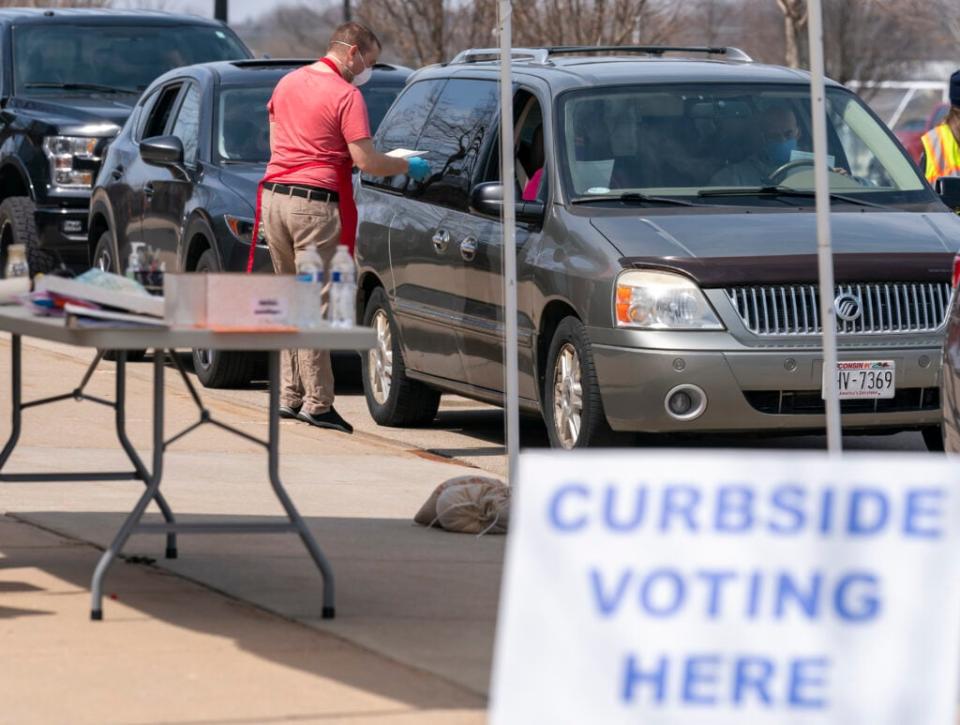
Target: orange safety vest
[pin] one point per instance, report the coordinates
(942, 151)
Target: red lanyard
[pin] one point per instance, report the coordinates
(346, 207)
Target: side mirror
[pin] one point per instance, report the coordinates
(162, 151)
(948, 187)
(487, 198)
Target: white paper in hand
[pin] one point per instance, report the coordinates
(405, 153)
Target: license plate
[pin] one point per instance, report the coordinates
(866, 379)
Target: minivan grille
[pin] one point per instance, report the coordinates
(888, 307)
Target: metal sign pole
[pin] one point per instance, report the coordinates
(511, 358)
(824, 243)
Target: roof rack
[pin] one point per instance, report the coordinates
(480, 55)
(268, 62)
(658, 50)
(543, 55)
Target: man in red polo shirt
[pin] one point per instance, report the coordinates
(319, 130)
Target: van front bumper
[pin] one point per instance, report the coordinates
(758, 390)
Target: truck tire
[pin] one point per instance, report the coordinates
(219, 368)
(18, 225)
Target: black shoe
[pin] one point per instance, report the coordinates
(331, 419)
(288, 411)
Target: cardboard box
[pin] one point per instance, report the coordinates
(230, 301)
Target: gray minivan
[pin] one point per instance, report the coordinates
(667, 274)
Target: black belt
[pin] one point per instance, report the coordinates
(314, 193)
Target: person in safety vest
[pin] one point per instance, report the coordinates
(941, 152)
(319, 130)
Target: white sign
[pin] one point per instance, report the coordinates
(664, 587)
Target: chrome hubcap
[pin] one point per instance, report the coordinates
(104, 263)
(380, 359)
(204, 357)
(567, 396)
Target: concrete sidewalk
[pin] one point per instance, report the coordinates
(416, 608)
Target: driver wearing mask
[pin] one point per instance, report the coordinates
(777, 133)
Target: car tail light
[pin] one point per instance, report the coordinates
(956, 271)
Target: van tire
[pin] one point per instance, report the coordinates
(570, 339)
(18, 215)
(408, 403)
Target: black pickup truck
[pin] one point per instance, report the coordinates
(68, 80)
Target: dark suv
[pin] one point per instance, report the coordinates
(666, 249)
(68, 80)
(182, 176)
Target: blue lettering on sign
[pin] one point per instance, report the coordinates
(925, 503)
(679, 502)
(674, 587)
(562, 523)
(855, 608)
(788, 590)
(610, 509)
(608, 603)
(868, 511)
(700, 671)
(752, 674)
(808, 680)
(789, 500)
(734, 509)
(715, 679)
(715, 580)
(634, 676)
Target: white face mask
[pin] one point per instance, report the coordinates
(363, 76)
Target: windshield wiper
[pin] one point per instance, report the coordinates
(633, 196)
(102, 88)
(783, 191)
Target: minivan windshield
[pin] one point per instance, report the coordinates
(112, 58)
(720, 142)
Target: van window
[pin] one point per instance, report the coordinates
(454, 140)
(706, 141)
(402, 125)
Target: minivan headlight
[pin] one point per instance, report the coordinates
(655, 300)
(73, 160)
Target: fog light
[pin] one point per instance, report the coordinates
(680, 403)
(685, 402)
(72, 226)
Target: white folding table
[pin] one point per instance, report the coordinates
(19, 322)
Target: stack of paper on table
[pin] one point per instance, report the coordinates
(98, 298)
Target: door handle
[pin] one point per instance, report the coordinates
(441, 239)
(148, 190)
(468, 248)
(117, 173)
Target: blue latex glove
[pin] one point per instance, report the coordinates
(418, 169)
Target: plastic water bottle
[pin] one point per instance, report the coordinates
(309, 289)
(134, 263)
(343, 293)
(16, 262)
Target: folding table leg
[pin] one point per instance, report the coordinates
(121, 424)
(273, 448)
(150, 494)
(16, 400)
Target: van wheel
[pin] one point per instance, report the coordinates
(392, 398)
(105, 259)
(18, 225)
(219, 368)
(933, 438)
(573, 410)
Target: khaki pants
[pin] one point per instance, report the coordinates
(293, 224)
